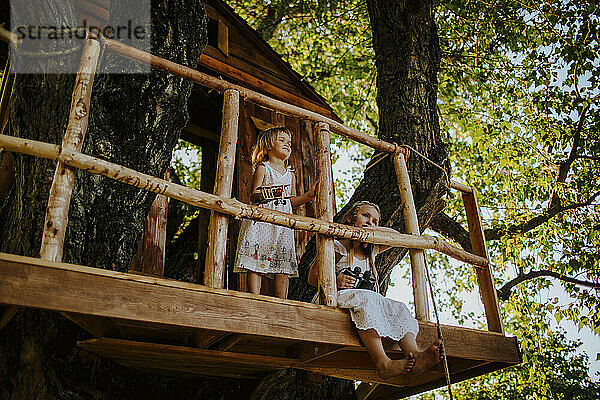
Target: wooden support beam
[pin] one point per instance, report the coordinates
(417, 256)
(35, 283)
(325, 258)
(214, 267)
(228, 342)
(57, 212)
(487, 289)
(460, 186)
(231, 206)
(177, 359)
(150, 256)
(365, 389)
(97, 326)
(308, 352)
(203, 340)
(6, 314)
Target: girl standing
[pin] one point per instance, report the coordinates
(265, 249)
(376, 316)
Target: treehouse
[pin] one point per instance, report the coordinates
(144, 321)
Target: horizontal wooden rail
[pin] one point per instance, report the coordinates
(228, 206)
(460, 187)
(221, 85)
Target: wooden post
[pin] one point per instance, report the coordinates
(214, 268)
(150, 257)
(62, 184)
(417, 256)
(325, 258)
(487, 289)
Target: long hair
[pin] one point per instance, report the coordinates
(265, 142)
(350, 217)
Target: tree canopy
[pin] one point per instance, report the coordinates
(518, 102)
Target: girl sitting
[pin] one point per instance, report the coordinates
(264, 248)
(376, 316)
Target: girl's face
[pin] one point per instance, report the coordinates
(282, 148)
(367, 216)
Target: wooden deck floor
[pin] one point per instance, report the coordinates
(176, 328)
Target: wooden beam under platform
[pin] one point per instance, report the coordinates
(177, 328)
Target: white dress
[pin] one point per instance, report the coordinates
(370, 310)
(264, 247)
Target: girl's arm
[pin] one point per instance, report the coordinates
(313, 273)
(303, 198)
(257, 181)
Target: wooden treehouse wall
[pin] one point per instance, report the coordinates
(301, 160)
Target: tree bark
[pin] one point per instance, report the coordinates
(135, 121)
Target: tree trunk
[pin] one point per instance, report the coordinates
(135, 121)
(407, 57)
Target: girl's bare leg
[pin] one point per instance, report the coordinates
(386, 367)
(282, 283)
(423, 359)
(254, 282)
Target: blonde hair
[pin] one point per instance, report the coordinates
(350, 216)
(265, 142)
(352, 213)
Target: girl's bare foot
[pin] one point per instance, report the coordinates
(393, 368)
(428, 358)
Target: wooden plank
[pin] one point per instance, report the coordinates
(207, 183)
(30, 282)
(417, 256)
(228, 342)
(150, 256)
(57, 211)
(205, 339)
(223, 37)
(364, 390)
(214, 268)
(116, 348)
(168, 358)
(308, 352)
(262, 85)
(325, 258)
(487, 289)
(97, 326)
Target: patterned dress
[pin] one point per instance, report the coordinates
(370, 310)
(264, 247)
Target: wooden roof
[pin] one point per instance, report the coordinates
(249, 61)
(176, 328)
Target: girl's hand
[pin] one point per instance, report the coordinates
(345, 281)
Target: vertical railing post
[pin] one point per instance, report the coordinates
(325, 257)
(487, 289)
(57, 213)
(214, 266)
(417, 256)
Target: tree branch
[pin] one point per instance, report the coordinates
(555, 206)
(448, 227)
(505, 291)
(552, 211)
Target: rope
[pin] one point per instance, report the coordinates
(429, 161)
(439, 330)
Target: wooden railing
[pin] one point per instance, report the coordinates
(69, 156)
